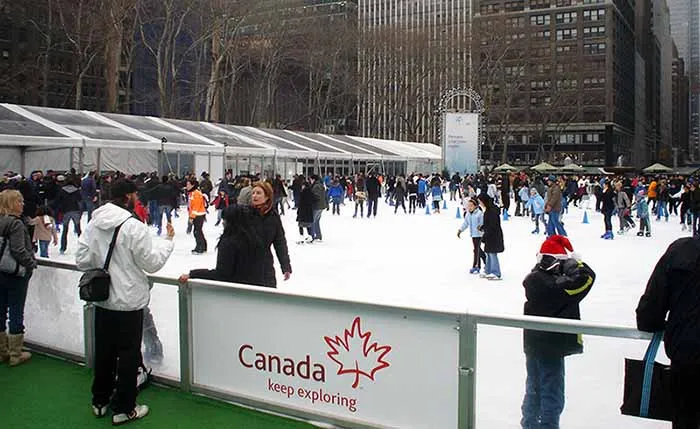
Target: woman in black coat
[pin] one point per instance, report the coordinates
(239, 251)
(492, 239)
(608, 206)
(269, 228)
(305, 212)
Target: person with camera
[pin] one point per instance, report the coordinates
(17, 263)
(119, 318)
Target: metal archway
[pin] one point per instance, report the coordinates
(478, 107)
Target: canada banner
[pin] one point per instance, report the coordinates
(353, 353)
(369, 367)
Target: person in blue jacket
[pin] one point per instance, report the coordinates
(436, 193)
(335, 193)
(536, 206)
(422, 188)
(524, 197)
(474, 220)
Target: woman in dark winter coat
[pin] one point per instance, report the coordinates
(492, 239)
(608, 206)
(305, 211)
(239, 251)
(269, 228)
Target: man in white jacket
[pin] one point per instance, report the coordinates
(119, 319)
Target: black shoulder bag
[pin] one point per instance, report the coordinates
(94, 284)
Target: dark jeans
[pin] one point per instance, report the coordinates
(372, 206)
(13, 295)
(159, 217)
(67, 218)
(412, 204)
(685, 391)
(544, 393)
(153, 212)
(421, 200)
(607, 219)
(479, 254)
(554, 225)
(201, 242)
(317, 235)
(89, 207)
(117, 354)
(403, 205)
(644, 225)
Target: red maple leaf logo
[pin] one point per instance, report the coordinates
(355, 355)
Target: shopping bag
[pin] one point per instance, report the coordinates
(647, 390)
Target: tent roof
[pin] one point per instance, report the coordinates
(654, 168)
(505, 167)
(44, 126)
(544, 166)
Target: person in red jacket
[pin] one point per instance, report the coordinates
(220, 203)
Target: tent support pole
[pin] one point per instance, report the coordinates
(81, 159)
(238, 170)
(23, 161)
(209, 165)
(71, 158)
(179, 169)
(98, 170)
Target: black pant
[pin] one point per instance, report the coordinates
(403, 204)
(479, 254)
(372, 206)
(412, 204)
(685, 391)
(201, 242)
(421, 200)
(607, 219)
(117, 352)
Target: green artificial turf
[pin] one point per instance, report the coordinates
(47, 393)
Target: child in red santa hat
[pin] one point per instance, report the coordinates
(554, 288)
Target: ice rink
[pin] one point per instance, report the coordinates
(417, 260)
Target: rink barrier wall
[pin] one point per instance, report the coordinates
(465, 323)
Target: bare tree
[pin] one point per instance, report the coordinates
(82, 23)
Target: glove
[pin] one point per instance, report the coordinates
(459, 233)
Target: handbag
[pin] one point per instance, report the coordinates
(8, 263)
(647, 389)
(94, 284)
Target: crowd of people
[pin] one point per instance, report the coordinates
(36, 209)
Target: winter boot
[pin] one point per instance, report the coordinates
(17, 356)
(640, 234)
(4, 350)
(648, 234)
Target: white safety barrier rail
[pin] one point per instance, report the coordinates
(354, 364)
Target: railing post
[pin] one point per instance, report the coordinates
(467, 372)
(89, 334)
(185, 318)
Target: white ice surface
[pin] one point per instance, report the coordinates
(417, 260)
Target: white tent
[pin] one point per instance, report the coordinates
(48, 138)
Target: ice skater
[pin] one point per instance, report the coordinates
(474, 220)
(643, 214)
(554, 288)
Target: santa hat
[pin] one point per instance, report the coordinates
(557, 246)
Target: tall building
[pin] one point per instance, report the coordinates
(559, 79)
(679, 112)
(410, 53)
(685, 29)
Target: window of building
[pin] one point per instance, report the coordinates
(563, 2)
(567, 84)
(566, 17)
(542, 52)
(539, 4)
(592, 138)
(516, 22)
(593, 1)
(594, 82)
(533, 100)
(594, 15)
(566, 34)
(540, 85)
(488, 9)
(593, 48)
(542, 35)
(539, 19)
(514, 5)
(543, 68)
(515, 70)
(5, 54)
(594, 32)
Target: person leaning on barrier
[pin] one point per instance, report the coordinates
(13, 288)
(671, 302)
(268, 226)
(119, 319)
(554, 288)
(239, 253)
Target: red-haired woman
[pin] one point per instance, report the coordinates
(270, 230)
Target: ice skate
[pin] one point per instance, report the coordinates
(640, 234)
(648, 234)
